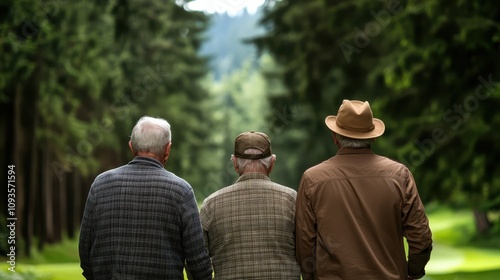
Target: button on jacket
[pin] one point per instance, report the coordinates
(249, 230)
(352, 213)
(142, 222)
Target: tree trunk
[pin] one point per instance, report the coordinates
(39, 223)
(19, 152)
(34, 181)
(482, 222)
(7, 130)
(63, 209)
(74, 200)
(48, 204)
(25, 154)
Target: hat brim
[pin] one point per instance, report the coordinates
(378, 130)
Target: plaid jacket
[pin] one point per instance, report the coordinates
(249, 230)
(142, 222)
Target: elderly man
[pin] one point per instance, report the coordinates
(354, 209)
(249, 226)
(141, 221)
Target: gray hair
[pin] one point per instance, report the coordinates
(244, 163)
(353, 143)
(151, 135)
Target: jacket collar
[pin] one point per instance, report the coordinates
(252, 175)
(146, 161)
(346, 151)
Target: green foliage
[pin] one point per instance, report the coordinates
(101, 66)
(242, 105)
(92, 69)
(429, 70)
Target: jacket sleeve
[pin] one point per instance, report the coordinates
(205, 222)
(86, 237)
(305, 230)
(198, 262)
(416, 230)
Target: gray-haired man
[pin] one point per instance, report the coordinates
(140, 220)
(249, 226)
(354, 209)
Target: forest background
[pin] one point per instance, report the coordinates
(75, 76)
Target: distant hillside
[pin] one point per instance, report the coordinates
(224, 41)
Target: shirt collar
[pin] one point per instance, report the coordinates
(346, 151)
(252, 175)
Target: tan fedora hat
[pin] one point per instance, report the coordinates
(355, 120)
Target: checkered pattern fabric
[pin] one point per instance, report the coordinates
(249, 230)
(142, 222)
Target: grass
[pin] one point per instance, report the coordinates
(52, 271)
(60, 271)
(484, 275)
(62, 252)
(456, 254)
(57, 262)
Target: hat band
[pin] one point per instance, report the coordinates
(355, 129)
(252, 156)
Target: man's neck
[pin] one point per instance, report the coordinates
(262, 171)
(150, 155)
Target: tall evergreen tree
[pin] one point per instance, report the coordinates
(76, 76)
(429, 70)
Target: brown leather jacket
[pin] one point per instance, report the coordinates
(351, 215)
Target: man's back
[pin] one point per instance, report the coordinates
(362, 204)
(249, 227)
(141, 222)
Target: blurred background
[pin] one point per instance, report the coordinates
(75, 76)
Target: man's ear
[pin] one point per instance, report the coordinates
(235, 163)
(271, 166)
(131, 148)
(167, 151)
(335, 139)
